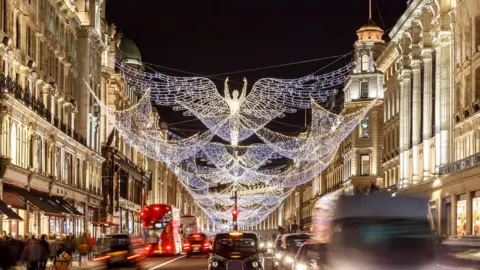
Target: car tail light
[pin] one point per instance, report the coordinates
(133, 256)
(106, 257)
(168, 247)
(206, 244)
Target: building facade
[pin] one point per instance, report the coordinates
(130, 179)
(45, 152)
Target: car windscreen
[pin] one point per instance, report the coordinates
(229, 244)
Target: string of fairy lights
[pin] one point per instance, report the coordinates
(212, 171)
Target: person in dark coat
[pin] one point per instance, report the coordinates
(6, 258)
(33, 254)
(46, 249)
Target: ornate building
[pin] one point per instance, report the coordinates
(52, 182)
(130, 179)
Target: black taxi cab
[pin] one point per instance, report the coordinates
(236, 251)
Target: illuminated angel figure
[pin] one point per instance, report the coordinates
(234, 103)
(242, 114)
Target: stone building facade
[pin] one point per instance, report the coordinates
(47, 49)
(130, 179)
(428, 118)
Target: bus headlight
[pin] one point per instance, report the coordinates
(215, 264)
(269, 245)
(289, 260)
(255, 264)
(278, 256)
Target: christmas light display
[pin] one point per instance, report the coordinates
(212, 171)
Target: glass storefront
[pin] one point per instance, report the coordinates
(476, 214)
(462, 216)
(15, 228)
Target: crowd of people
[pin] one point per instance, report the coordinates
(34, 253)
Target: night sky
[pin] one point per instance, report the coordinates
(212, 37)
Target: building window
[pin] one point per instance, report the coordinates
(58, 157)
(365, 62)
(4, 15)
(364, 89)
(13, 144)
(19, 38)
(364, 128)
(462, 215)
(364, 165)
(78, 179)
(39, 154)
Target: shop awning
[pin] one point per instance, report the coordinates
(34, 199)
(5, 210)
(66, 206)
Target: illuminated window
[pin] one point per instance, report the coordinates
(364, 89)
(364, 165)
(364, 128)
(364, 62)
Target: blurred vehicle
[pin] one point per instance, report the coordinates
(189, 224)
(196, 243)
(161, 229)
(277, 252)
(289, 246)
(119, 250)
(379, 232)
(310, 256)
(268, 245)
(236, 251)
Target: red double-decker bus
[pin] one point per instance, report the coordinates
(161, 229)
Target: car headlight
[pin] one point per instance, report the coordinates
(300, 266)
(269, 245)
(278, 256)
(215, 264)
(288, 260)
(255, 264)
(262, 244)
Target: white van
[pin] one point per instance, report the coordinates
(379, 232)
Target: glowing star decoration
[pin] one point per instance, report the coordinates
(211, 171)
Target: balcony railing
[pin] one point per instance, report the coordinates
(7, 85)
(461, 165)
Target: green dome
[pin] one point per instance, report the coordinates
(130, 52)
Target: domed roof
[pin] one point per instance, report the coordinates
(130, 52)
(370, 33)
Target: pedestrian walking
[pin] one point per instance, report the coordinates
(83, 248)
(6, 260)
(91, 243)
(33, 254)
(46, 254)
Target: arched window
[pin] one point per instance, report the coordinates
(13, 144)
(39, 154)
(18, 33)
(365, 62)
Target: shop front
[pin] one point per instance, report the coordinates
(39, 213)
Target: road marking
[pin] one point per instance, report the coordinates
(167, 262)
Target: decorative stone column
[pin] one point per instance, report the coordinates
(416, 107)
(427, 111)
(438, 67)
(445, 98)
(404, 126)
